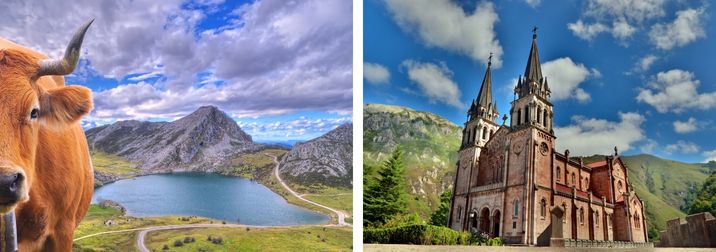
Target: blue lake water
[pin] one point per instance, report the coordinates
(207, 195)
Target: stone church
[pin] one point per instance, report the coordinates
(512, 183)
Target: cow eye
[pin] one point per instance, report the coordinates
(34, 113)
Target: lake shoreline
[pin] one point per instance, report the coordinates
(135, 176)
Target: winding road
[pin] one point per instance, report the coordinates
(146, 230)
(341, 215)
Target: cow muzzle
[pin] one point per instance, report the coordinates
(12, 188)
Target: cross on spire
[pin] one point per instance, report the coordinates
(489, 60)
(534, 32)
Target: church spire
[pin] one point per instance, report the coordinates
(533, 71)
(484, 106)
(533, 82)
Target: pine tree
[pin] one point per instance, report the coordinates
(386, 196)
(440, 216)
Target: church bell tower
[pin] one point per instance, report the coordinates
(532, 106)
(480, 126)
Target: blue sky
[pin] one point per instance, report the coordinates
(281, 69)
(636, 74)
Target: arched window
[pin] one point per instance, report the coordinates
(519, 116)
(516, 211)
(539, 114)
(609, 220)
(544, 118)
(586, 183)
(574, 179)
(596, 218)
(492, 132)
(619, 185)
(564, 205)
(559, 170)
(459, 213)
(543, 208)
(484, 132)
(581, 216)
(527, 114)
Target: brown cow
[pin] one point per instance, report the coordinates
(45, 170)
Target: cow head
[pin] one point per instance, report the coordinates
(26, 107)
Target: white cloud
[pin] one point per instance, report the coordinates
(586, 31)
(690, 125)
(270, 56)
(682, 146)
(434, 82)
(644, 63)
(375, 73)
(621, 29)
(565, 76)
(687, 27)
(533, 3)
(301, 128)
(675, 91)
(444, 24)
(624, 15)
(588, 136)
(710, 155)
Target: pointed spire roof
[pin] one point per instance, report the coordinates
(484, 98)
(533, 71)
(484, 106)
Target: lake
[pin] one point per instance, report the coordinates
(207, 195)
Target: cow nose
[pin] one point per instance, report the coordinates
(10, 186)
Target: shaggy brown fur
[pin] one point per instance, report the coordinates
(51, 151)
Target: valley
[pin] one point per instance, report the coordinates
(319, 171)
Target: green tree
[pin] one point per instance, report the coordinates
(386, 196)
(440, 216)
(705, 200)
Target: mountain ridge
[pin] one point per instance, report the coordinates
(197, 142)
(327, 159)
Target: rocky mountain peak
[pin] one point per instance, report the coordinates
(204, 139)
(327, 159)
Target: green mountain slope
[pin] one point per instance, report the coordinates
(431, 143)
(428, 141)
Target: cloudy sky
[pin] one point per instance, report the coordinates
(636, 74)
(282, 69)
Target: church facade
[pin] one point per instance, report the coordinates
(512, 183)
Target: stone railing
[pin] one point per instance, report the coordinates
(486, 187)
(606, 244)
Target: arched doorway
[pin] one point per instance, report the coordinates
(473, 220)
(485, 220)
(496, 223)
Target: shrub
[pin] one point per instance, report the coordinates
(178, 243)
(187, 239)
(403, 220)
(166, 247)
(422, 234)
(209, 238)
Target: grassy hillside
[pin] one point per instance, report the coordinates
(429, 143)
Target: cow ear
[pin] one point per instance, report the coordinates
(64, 105)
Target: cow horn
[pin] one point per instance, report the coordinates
(67, 64)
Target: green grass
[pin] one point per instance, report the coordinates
(112, 164)
(256, 239)
(94, 222)
(339, 198)
(265, 239)
(251, 165)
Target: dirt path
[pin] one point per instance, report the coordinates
(341, 215)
